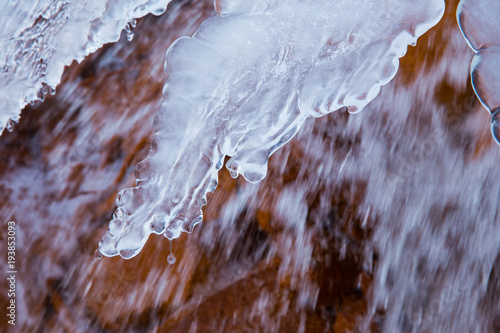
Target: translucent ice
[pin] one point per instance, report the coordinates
(485, 75)
(479, 21)
(495, 125)
(243, 85)
(40, 37)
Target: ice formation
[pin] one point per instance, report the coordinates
(479, 21)
(40, 37)
(243, 85)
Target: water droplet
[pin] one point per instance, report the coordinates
(98, 254)
(171, 259)
(10, 125)
(495, 125)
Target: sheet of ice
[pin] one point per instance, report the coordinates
(40, 37)
(243, 85)
(479, 21)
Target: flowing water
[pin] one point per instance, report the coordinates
(380, 221)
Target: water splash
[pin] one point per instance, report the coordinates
(243, 85)
(40, 37)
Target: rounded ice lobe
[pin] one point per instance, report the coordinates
(479, 21)
(242, 87)
(495, 125)
(174, 230)
(253, 166)
(158, 224)
(107, 245)
(143, 170)
(131, 242)
(485, 76)
(116, 227)
(129, 200)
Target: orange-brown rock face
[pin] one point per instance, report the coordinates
(304, 250)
